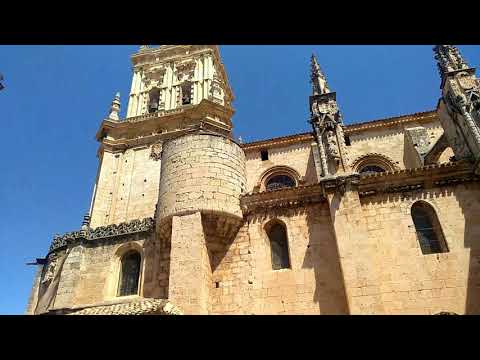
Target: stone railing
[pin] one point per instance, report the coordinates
(139, 118)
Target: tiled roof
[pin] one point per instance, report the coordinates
(139, 306)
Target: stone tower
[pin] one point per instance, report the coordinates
(183, 92)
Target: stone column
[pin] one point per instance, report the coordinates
(190, 271)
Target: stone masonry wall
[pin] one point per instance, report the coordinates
(248, 285)
(127, 187)
(190, 273)
(201, 172)
(401, 280)
(297, 156)
(390, 142)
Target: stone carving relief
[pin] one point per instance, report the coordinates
(102, 232)
(153, 77)
(50, 271)
(216, 90)
(156, 151)
(185, 70)
(332, 146)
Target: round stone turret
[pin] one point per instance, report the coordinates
(201, 172)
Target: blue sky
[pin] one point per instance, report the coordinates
(56, 96)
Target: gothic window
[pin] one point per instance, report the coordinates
(280, 182)
(427, 226)
(129, 274)
(368, 169)
(277, 234)
(186, 93)
(153, 100)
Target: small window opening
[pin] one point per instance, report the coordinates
(217, 284)
(277, 235)
(347, 140)
(130, 273)
(428, 229)
(264, 155)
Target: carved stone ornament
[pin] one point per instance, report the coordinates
(332, 146)
(185, 71)
(330, 108)
(156, 151)
(216, 90)
(49, 273)
(466, 81)
(102, 232)
(153, 77)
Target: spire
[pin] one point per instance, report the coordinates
(115, 108)
(449, 59)
(318, 79)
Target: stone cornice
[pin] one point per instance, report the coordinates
(282, 198)
(393, 121)
(102, 232)
(349, 129)
(280, 141)
(148, 128)
(416, 179)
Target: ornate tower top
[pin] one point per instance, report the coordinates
(318, 79)
(449, 60)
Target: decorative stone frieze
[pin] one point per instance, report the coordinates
(282, 198)
(102, 232)
(416, 179)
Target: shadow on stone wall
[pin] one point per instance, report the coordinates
(322, 255)
(470, 205)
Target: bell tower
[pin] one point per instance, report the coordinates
(459, 105)
(170, 78)
(327, 124)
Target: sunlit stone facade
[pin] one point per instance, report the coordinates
(379, 217)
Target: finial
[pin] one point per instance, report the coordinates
(317, 77)
(115, 108)
(449, 59)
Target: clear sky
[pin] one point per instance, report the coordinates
(56, 96)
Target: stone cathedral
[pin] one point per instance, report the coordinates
(378, 217)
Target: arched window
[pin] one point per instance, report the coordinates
(280, 182)
(129, 274)
(429, 232)
(277, 234)
(369, 169)
(153, 100)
